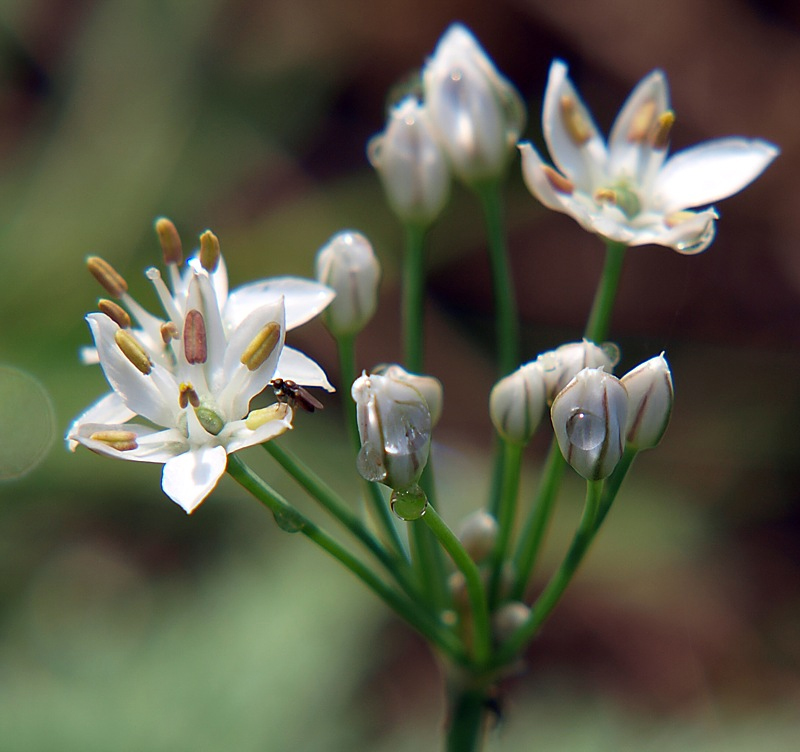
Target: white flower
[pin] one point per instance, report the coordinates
(477, 114)
(194, 387)
(628, 191)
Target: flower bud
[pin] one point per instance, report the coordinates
(394, 424)
(478, 534)
(507, 619)
(589, 417)
(650, 396)
(411, 164)
(561, 365)
(476, 112)
(517, 402)
(348, 265)
(428, 386)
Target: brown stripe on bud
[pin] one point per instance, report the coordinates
(133, 351)
(113, 282)
(661, 130)
(209, 251)
(642, 122)
(115, 312)
(169, 332)
(195, 346)
(575, 122)
(261, 346)
(170, 241)
(122, 441)
(558, 181)
(187, 396)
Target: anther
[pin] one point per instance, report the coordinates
(605, 195)
(113, 282)
(558, 181)
(169, 332)
(122, 441)
(195, 346)
(576, 124)
(660, 132)
(261, 346)
(209, 251)
(642, 122)
(187, 396)
(258, 418)
(115, 312)
(133, 351)
(678, 218)
(170, 241)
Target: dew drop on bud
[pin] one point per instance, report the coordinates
(585, 430)
(370, 464)
(409, 504)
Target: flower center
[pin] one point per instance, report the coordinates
(621, 195)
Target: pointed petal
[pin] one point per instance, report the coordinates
(219, 278)
(535, 178)
(201, 297)
(711, 171)
(108, 409)
(690, 236)
(303, 299)
(297, 367)
(154, 445)
(580, 163)
(191, 476)
(238, 436)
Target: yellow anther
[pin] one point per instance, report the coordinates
(195, 346)
(605, 195)
(678, 218)
(258, 418)
(133, 351)
(642, 122)
(169, 332)
(661, 130)
(578, 127)
(558, 181)
(122, 441)
(209, 251)
(187, 396)
(113, 282)
(170, 241)
(115, 312)
(261, 346)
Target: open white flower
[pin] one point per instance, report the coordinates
(628, 191)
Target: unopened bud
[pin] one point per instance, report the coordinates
(507, 619)
(650, 396)
(478, 534)
(560, 366)
(428, 386)
(517, 402)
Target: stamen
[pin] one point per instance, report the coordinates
(170, 241)
(122, 441)
(113, 282)
(115, 312)
(195, 345)
(169, 332)
(133, 351)
(258, 418)
(660, 132)
(576, 124)
(262, 346)
(187, 396)
(209, 251)
(642, 122)
(605, 195)
(558, 181)
(164, 295)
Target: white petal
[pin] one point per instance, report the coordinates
(191, 476)
(535, 178)
(153, 445)
(108, 409)
(580, 163)
(297, 367)
(693, 235)
(238, 436)
(711, 171)
(303, 299)
(219, 278)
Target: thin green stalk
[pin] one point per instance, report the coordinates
(502, 280)
(338, 508)
(409, 610)
(530, 541)
(426, 552)
(506, 513)
(380, 509)
(480, 611)
(414, 297)
(552, 593)
(613, 483)
(467, 721)
(599, 323)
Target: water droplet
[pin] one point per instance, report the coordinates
(585, 430)
(289, 522)
(548, 361)
(370, 464)
(409, 503)
(611, 349)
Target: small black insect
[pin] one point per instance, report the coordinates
(294, 395)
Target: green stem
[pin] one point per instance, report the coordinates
(552, 593)
(613, 483)
(503, 283)
(426, 553)
(338, 508)
(409, 610)
(414, 297)
(467, 721)
(477, 595)
(506, 513)
(530, 542)
(599, 323)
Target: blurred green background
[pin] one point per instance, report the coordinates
(125, 625)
